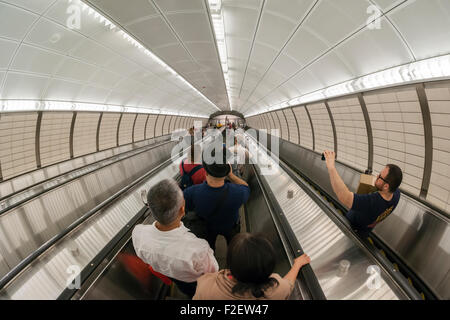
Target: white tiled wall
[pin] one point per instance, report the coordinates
(353, 148)
(166, 125)
(54, 137)
(293, 130)
(274, 124)
(306, 137)
(323, 130)
(268, 122)
(151, 126)
(126, 128)
(139, 127)
(159, 124)
(85, 133)
(284, 125)
(438, 95)
(108, 130)
(17, 143)
(178, 123)
(398, 133)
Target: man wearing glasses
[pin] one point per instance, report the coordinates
(367, 210)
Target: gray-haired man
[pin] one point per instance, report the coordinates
(167, 245)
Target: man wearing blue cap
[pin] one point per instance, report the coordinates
(217, 201)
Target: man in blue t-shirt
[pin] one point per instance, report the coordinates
(367, 210)
(218, 201)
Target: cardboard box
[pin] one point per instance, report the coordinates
(366, 184)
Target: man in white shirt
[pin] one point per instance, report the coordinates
(167, 245)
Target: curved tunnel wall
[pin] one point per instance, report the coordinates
(408, 126)
(32, 140)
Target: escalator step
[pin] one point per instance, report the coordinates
(396, 267)
(370, 240)
(423, 296)
(410, 281)
(383, 253)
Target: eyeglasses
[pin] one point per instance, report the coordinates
(379, 177)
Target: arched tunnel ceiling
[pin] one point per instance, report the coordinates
(42, 59)
(277, 49)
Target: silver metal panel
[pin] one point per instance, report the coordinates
(326, 244)
(33, 223)
(416, 233)
(48, 275)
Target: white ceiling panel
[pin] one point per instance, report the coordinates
(202, 50)
(92, 52)
(32, 59)
(51, 35)
(286, 66)
(94, 94)
(23, 86)
(191, 26)
(7, 49)
(76, 70)
(386, 4)
(274, 30)
(294, 10)
(126, 11)
(105, 78)
(179, 5)
(37, 6)
(330, 70)
(375, 49)
(173, 53)
(63, 90)
(305, 45)
(161, 34)
(14, 22)
(334, 20)
(425, 25)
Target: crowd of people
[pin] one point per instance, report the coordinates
(190, 215)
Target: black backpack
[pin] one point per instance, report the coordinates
(186, 178)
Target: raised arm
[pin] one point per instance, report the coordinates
(344, 195)
(235, 179)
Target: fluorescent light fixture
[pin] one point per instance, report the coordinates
(35, 105)
(425, 70)
(103, 20)
(215, 9)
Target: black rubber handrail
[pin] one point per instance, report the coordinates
(72, 170)
(38, 194)
(306, 273)
(47, 245)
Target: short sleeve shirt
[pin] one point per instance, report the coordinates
(203, 200)
(370, 209)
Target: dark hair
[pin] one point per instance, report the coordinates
(394, 177)
(251, 260)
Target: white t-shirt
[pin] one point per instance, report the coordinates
(177, 253)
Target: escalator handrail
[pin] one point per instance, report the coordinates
(40, 193)
(14, 272)
(400, 281)
(306, 273)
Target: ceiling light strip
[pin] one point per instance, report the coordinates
(425, 70)
(103, 20)
(35, 105)
(215, 9)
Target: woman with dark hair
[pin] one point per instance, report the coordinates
(250, 261)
